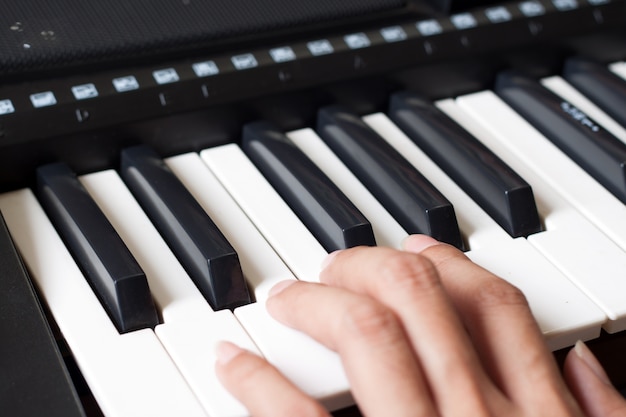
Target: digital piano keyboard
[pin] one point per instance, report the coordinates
(162, 165)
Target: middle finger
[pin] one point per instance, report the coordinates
(409, 284)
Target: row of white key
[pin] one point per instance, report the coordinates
(191, 339)
(576, 243)
(563, 313)
(311, 366)
(191, 329)
(129, 374)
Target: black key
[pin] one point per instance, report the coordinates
(316, 200)
(606, 89)
(502, 193)
(596, 150)
(33, 378)
(409, 197)
(106, 262)
(199, 245)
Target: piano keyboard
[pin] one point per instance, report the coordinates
(570, 270)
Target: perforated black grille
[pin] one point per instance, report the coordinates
(40, 34)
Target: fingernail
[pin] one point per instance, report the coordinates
(280, 287)
(226, 351)
(329, 259)
(417, 243)
(584, 353)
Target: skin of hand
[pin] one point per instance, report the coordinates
(447, 337)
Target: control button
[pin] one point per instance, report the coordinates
(565, 4)
(44, 99)
(282, 54)
(393, 34)
(6, 107)
(127, 83)
(84, 91)
(205, 69)
(244, 61)
(463, 20)
(429, 27)
(165, 76)
(357, 40)
(532, 8)
(498, 14)
(320, 47)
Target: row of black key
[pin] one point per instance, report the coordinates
(377, 165)
(330, 216)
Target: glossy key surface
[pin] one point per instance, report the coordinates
(261, 265)
(413, 201)
(599, 84)
(190, 329)
(317, 201)
(563, 312)
(129, 374)
(112, 271)
(486, 178)
(577, 212)
(594, 148)
(279, 225)
(199, 245)
(386, 229)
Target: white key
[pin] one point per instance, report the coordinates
(174, 292)
(129, 374)
(386, 229)
(554, 167)
(261, 266)
(586, 255)
(312, 367)
(477, 227)
(619, 68)
(563, 313)
(191, 329)
(302, 253)
(570, 316)
(192, 347)
(564, 89)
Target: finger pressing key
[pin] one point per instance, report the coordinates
(501, 328)
(408, 284)
(260, 387)
(378, 358)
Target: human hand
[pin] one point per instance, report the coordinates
(421, 332)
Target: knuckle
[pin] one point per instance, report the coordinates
(410, 273)
(370, 321)
(497, 292)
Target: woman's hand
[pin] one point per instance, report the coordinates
(421, 332)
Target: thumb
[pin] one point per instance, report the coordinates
(591, 385)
